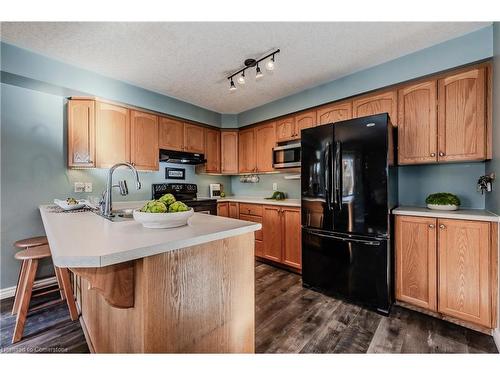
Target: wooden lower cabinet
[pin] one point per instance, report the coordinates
(233, 210)
(279, 240)
(272, 241)
(292, 254)
(223, 209)
(416, 261)
(281, 235)
(448, 266)
(228, 209)
(464, 270)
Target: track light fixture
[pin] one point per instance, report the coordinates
(258, 73)
(232, 87)
(241, 79)
(250, 63)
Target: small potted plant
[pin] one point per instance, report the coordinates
(443, 201)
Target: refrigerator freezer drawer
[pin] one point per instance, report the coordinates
(357, 270)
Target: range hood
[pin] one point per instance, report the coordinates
(182, 157)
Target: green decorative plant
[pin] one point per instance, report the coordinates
(443, 199)
(278, 195)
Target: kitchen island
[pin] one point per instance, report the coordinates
(181, 290)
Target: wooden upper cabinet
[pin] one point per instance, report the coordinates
(464, 270)
(291, 234)
(194, 138)
(81, 133)
(112, 135)
(271, 232)
(417, 123)
(285, 129)
(144, 150)
(303, 121)
(171, 134)
(246, 151)
(265, 140)
(376, 103)
(416, 263)
(462, 109)
(212, 151)
(333, 113)
(229, 152)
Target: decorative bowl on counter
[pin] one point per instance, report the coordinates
(442, 201)
(163, 220)
(442, 207)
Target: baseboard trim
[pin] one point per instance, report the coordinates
(496, 337)
(42, 283)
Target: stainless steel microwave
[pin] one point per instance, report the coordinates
(287, 156)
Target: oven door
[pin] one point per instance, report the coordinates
(287, 156)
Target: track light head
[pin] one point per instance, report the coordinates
(241, 79)
(270, 64)
(258, 73)
(232, 86)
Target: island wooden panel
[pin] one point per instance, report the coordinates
(198, 299)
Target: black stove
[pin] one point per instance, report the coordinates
(186, 193)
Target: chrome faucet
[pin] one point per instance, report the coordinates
(106, 203)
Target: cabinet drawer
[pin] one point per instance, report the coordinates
(259, 248)
(251, 209)
(255, 219)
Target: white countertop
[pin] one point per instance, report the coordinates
(86, 239)
(257, 200)
(463, 214)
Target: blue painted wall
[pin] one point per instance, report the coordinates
(493, 198)
(33, 170)
(264, 188)
(416, 182)
(471, 47)
(27, 69)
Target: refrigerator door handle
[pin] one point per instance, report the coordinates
(338, 177)
(345, 239)
(328, 188)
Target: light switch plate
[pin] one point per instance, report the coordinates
(79, 187)
(88, 187)
(275, 186)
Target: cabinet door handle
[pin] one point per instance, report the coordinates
(433, 154)
(442, 226)
(442, 154)
(432, 226)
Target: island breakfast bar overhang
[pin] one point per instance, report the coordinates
(184, 290)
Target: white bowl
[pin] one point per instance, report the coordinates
(163, 220)
(442, 207)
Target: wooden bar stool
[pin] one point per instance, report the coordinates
(30, 258)
(27, 243)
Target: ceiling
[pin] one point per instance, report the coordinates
(190, 61)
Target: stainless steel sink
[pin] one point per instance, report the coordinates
(119, 215)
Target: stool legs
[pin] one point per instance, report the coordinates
(68, 292)
(25, 297)
(20, 280)
(59, 282)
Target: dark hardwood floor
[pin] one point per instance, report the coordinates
(289, 319)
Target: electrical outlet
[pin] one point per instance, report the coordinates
(88, 187)
(79, 187)
(275, 186)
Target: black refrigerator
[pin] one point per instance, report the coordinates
(348, 188)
